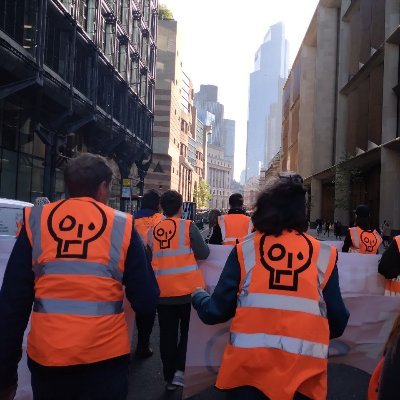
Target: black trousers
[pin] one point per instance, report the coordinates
(172, 319)
(106, 380)
(144, 324)
(252, 393)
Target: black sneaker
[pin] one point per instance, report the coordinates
(171, 387)
(144, 352)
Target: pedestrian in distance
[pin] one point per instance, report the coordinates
(234, 226)
(337, 228)
(148, 216)
(69, 266)
(384, 383)
(212, 222)
(281, 288)
(361, 238)
(327, 228)
(386, 233)
(174, 245)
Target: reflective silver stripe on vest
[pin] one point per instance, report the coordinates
(172, 271)
(223, 229)
(77, 307)
(227, 240)
(168, 253)
(324, 257)
(35, 220)
(278, 302)
(249, 255)
(285, 343)
(354, 238)
(182, 248)
(76, 267)
(250, 227)
(117, 238)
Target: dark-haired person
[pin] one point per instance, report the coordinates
(175, 244)
(148, 216)
(281, 287)
(213, 216)
(384, 383)
(389, 267)
(70, 263)
(234, 226)
(361, 238)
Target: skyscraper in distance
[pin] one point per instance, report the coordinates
(265, 100)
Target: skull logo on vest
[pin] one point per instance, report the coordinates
(164, 233)
(74, 226)
(286, 260)
(369, 240)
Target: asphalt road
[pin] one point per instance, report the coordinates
(146, 380)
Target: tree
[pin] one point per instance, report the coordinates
(202, 194)
(165, 13)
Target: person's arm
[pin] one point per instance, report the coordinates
(337, 312)
(221, 306)
(141, 287)
(347, 243)
(216, 237)
(16, 300)
(389, 264)
(197, 243)
(389, 380)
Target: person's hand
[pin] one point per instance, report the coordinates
(8, 393)
(197, 290)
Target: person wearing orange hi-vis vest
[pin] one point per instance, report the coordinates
(389, 267)
(70, 264)
(361, 238)
(174, 245)
(281, 288)
(384, 382)
(234, 226)
(148, 216)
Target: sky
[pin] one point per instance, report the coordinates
(219, 39)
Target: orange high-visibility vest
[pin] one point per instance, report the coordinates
(79, 248)
(364, 242)
(279, 336)
(234, 228)
(373, 386)
(392, 286)
(173, 261)
(143, 225)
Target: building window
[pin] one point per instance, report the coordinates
(123, 48)
(136, 34)
(124, 14)
(109, 40)
(57, 54)
(144, 49)
(84, 58)
(134, 81)
(146, 11)
(143, 88)
(150, 97)
(82, 13)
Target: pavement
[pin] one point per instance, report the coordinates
(146, 380)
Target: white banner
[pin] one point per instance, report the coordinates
(371, 318)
